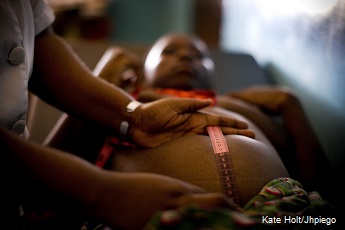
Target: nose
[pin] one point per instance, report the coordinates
(186, 55)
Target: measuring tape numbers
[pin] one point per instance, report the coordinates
(223, 162)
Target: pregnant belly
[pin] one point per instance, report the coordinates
(191, 159)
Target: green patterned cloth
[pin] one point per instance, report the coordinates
(281, 204)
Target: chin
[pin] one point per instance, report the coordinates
(176, 85)
(183, 87)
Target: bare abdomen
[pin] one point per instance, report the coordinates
(191, 159)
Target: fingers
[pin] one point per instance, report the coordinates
(193, 188)
(219, 120)
(243, 132)
(193, 105)
(230, 122)
(214, 200)
(229, 126)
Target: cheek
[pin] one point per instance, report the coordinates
(202, 72)
(203, 80)
(161, 69)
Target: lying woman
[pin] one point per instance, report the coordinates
(179, 65)
(255, 162)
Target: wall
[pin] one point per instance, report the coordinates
(300, 43)
(144, 21)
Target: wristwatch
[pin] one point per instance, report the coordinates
(124, 126)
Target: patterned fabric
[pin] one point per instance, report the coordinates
(282, 204)
(199, 94)
(108, 149)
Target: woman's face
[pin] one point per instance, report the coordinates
(179, 62)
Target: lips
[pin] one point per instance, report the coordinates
(185, 70)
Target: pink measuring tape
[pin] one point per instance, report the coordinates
(223, 162)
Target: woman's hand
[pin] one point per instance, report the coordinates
(132, 198)
(160, 121)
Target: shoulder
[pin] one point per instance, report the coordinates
(43, 15)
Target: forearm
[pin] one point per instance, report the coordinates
(70, 177)
(309, 153)
(250, 111)
(281, 101)
(63, 80)
(95, 192)
(296, 122)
